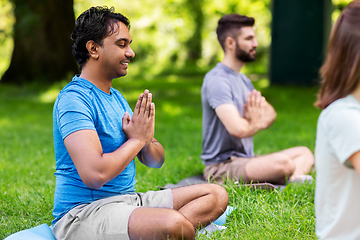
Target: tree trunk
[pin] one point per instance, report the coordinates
(194, 43)
(42, 44)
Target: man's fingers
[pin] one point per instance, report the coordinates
(152, 110)
(258, 99)
(148, 105)
(125, 121)
(138, 104)
(249, 99)
(144, 103)
(126, 118)
(254, 99)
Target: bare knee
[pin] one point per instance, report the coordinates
(178, 227)
(220, 196)
(307, 155)
(284, 165)
(151, 223)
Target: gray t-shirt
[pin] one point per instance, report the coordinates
(222, 85)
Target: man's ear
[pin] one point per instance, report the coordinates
(230, 44)
(92, 48)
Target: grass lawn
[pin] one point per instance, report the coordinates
(27, 162)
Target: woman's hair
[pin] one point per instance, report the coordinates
(95, 24)
(230, 25)
(341, 71)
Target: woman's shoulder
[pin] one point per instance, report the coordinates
(341, 111)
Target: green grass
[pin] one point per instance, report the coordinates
(27, 156)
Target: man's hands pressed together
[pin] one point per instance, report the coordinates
(254, 109)
(142, 127)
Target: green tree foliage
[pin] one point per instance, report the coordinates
(179, 35)
(339, 5)
(6, 44)
(176, 36)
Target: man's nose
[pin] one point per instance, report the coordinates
(255, 43)
(130, 53)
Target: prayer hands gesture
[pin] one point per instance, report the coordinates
(254, 110)
(142, 124)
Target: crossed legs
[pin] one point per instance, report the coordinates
(277, 167)
(194, 206)
(289, 164)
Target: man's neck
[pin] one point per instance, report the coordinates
(91, 74)
(233, 63)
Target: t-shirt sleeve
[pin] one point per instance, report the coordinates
(74, 114)
(344, 133)
(218, 91)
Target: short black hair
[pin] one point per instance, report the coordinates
(229, 25)
(95, 24)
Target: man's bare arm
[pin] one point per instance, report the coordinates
(258, 114)
(96, 168)
(152, 155)
(236, 125)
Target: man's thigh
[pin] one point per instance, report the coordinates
(273, 167)
(107, 218)
(233, 168)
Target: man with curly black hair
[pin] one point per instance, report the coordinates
(96, 138)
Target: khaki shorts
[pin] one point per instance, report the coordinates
(234, 168)
(107, 218)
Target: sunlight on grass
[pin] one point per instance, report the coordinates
(195, 90)
(172, 78)
(27, 155)
(49, 96)
(131, 96)
(5, 122)
(171, 109)
(263, 83)
(2, 164)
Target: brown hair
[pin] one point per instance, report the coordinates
(229, 25)
(341, 71)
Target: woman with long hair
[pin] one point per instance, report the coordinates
(337, 150)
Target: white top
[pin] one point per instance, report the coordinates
(337, 194)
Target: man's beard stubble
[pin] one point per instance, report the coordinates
(244, 56)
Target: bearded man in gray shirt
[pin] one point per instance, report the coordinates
(233, 111)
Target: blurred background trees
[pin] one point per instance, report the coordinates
(42, 47)
(169, 36)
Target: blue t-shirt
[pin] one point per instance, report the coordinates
(79, 106)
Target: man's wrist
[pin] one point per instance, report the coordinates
(137, 142)
(147, 145)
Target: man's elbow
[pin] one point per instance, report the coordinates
(270, 121)
(155, 163)
(93, 182)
